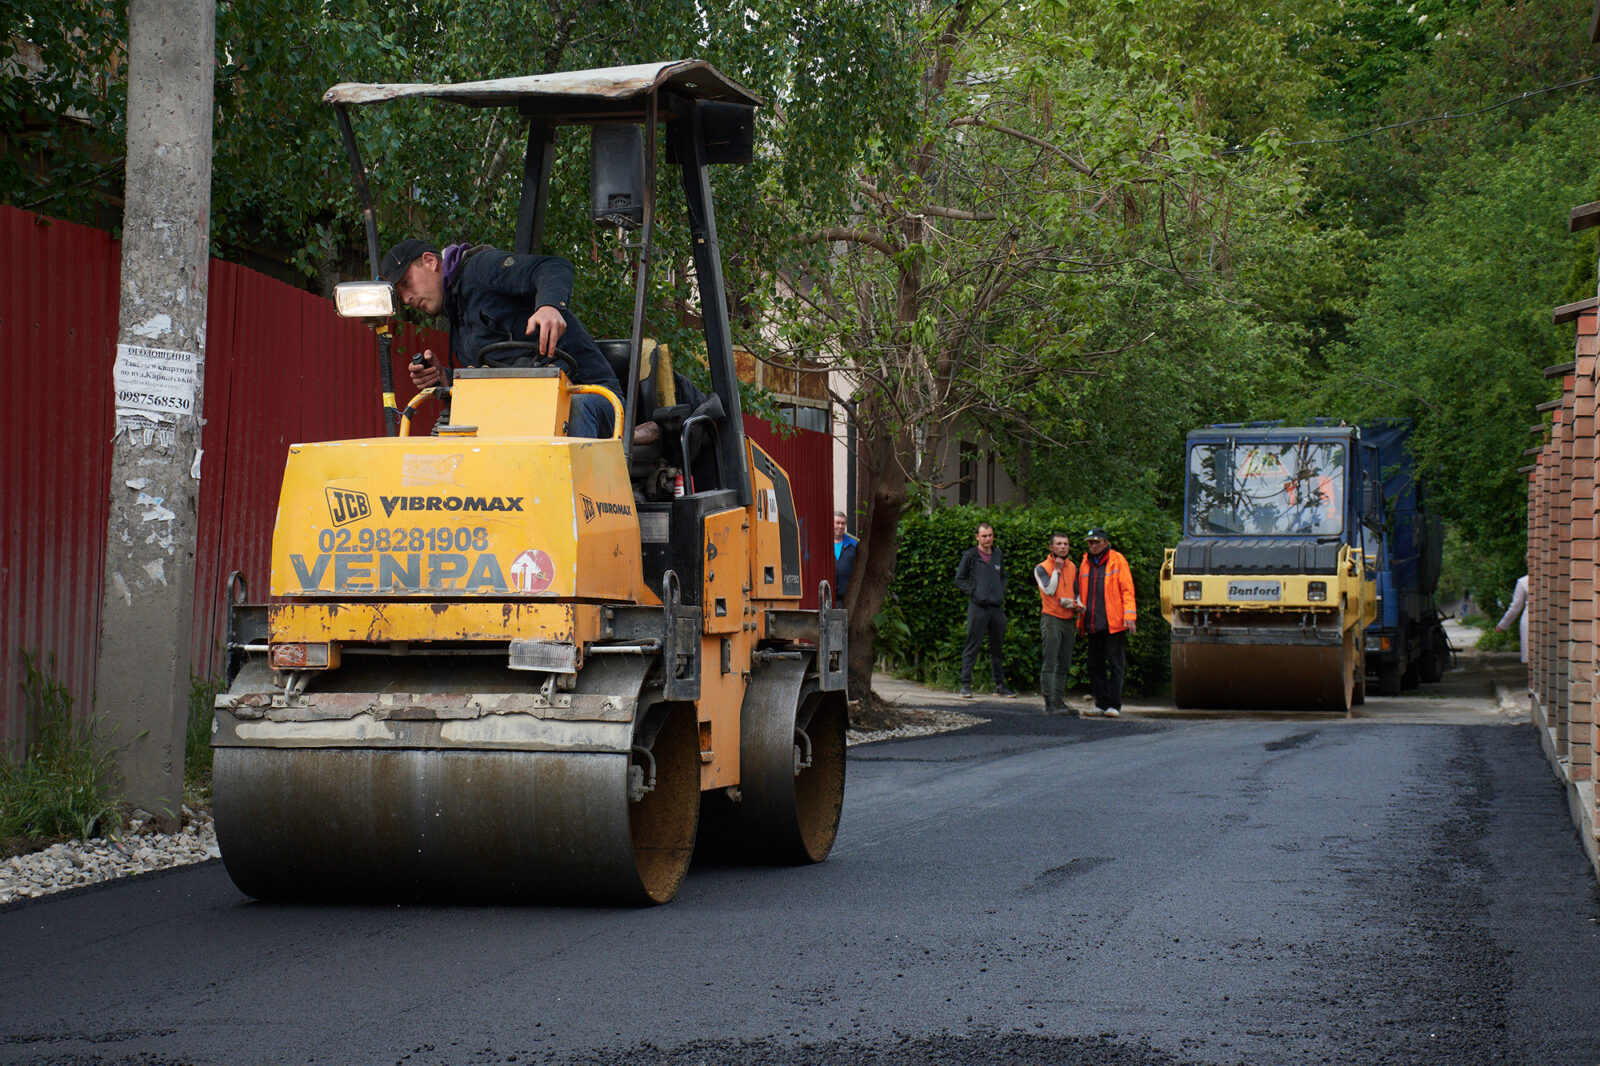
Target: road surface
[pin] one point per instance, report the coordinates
(1157, 890)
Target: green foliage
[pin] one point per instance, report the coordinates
(62, 98)
(1456, 329)
(62, 786)
(922, 626)
(1389, 64)
(1500, 640)
(197, 740)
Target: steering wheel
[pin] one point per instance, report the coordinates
(556, 358)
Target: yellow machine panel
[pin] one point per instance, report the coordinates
(457, 517)
(725, 674)
(727, 571)
(1347, 594)
(775, 554)
(373, 623)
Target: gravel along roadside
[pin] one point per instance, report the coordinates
(76, 863)
(141, 849)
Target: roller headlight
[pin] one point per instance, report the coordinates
(364, 299)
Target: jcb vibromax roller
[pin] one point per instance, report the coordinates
(1273, 583)
(505, 663)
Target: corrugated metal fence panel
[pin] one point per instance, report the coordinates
(58, 327)
(807, 457)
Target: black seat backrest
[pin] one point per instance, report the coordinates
(616, 353)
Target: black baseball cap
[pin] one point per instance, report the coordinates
(1096, 534)
(396, 259)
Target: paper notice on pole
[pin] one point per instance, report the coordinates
(155, 383)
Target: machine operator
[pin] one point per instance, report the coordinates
(489, 295)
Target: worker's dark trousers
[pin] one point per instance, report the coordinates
(1055, 662)
(984, 622)
(1108, 656)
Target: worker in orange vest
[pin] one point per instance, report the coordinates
(1057, 579)
(1105, 585)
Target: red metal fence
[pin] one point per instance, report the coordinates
(281, 368)
(58, 330)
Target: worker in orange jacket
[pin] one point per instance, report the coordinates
(1105, 585)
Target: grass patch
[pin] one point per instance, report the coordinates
(62, 788)
(197, 742)
(1493, 639)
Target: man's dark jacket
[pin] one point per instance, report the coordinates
(984, 583)
(493, 294)
(842, 567)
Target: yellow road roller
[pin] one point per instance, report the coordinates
(1272, 585)
(504, 663)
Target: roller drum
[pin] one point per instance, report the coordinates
(791, 764)
(1264, 676)
(459, 825)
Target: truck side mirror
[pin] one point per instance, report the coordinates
(1370, 503)
(616, 174)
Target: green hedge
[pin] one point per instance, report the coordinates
(923, 624)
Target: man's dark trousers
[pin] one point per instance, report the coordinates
(1055, 661)
(1108, 656)
(983, 622)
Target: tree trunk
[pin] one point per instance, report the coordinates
(876, 554)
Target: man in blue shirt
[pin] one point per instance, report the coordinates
(490, 296)
(844, 555)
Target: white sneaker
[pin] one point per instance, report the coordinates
(1112, 712)
(1095, 712)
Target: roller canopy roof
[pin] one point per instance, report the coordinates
(569, 91)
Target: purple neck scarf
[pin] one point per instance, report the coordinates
(450, 261)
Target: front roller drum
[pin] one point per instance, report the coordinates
(791, 764)
(1291, 677)
(459, 825)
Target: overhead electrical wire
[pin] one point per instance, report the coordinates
(1430, 118)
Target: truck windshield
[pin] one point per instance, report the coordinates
(1266, 489)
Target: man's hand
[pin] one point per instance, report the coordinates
(425, 375)
(549, 325)
(1133, 627)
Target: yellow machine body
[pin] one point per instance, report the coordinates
(1269, 640)
(504, 663)
(479, 598)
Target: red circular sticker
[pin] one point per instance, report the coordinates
(532, 571)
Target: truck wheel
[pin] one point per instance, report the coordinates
(1389, 679)
(1435, 657)
(1411, 677)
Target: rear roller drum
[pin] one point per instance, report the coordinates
(1264, 676)
(791, 764)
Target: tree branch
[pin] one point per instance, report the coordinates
(1072, 161)
(868, 237)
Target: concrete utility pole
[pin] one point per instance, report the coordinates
(142, 675)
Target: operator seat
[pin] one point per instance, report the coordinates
(650, 460)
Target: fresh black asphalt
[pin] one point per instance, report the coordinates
(1032, 891)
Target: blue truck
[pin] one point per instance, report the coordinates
(1308, 565)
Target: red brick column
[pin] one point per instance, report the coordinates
(1580, 689)
(1540, 585)
(1562, 438)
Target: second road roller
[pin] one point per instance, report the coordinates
(1305, 560)
(504, 663)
